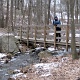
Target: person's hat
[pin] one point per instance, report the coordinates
(55, 17)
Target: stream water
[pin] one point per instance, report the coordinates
(20, 61)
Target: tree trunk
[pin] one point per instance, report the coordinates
(54, 7)
(11, 14)
(7, 13)
(73, 45)
(29, 12)
(49, 2)
(1, 14)
(76, 11)
(68, 9)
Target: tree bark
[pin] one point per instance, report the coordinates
(11, 14)
(49, 2)
(1, 14)
(73, 44)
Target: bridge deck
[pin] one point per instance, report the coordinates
(48, 41)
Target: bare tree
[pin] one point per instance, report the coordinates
(49, 2)
(73, 45)
(1, 14)
(76, 11)
(54, 7)
(29, 12)
(7, 13)
(11, 15)
(68, 10)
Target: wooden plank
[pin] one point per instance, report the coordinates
(55, 37)
(45, 36)
(35, 35)
(67, 37)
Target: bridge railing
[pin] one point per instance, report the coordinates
(47, 34)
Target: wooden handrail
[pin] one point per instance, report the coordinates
(38, 32)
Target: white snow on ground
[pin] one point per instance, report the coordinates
(39, 48)
(44, 69)
(76, 35)
(2, 55)
(18, 74)
(3, 34)
(51, 33)
(51, 48)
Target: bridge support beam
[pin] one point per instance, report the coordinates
(55, 37)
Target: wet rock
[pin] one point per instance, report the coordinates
(17, 54)
(30, 44)
(44, 54)
(27, 69)
(78, 79)
(36, 51)
(6, 61)
(11, 79)
(9, 56)
(22, 47)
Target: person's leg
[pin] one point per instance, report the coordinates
(56, 37)
(59, 34)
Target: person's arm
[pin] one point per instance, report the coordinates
(54, 23)
(59, 22)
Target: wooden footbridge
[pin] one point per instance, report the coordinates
(47, 34)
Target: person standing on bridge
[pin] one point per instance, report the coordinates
(57, 23)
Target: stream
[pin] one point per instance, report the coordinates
(17, 62)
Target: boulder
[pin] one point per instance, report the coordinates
(44, 54)
(8, 43)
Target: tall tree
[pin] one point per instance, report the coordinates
(11, 15)
(1, 14)
(76, 11)
(29, 12)
(49, 2)
(54, 7)
(68, 10)
(73, 45)
(7, 13)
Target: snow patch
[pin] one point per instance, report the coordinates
(44, 69)
(51, 48)
(2, 55)
(18, 75)
(38, 48)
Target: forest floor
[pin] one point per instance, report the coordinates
(51, 68)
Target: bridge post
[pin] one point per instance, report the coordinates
(35, 36)
(28, 36)
(67, 37)
(21, 33)
(45, 36)
(55, 37)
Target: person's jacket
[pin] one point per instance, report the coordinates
(56, 22)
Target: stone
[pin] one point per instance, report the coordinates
(8, 43)
(11, 79)
(44, 54)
